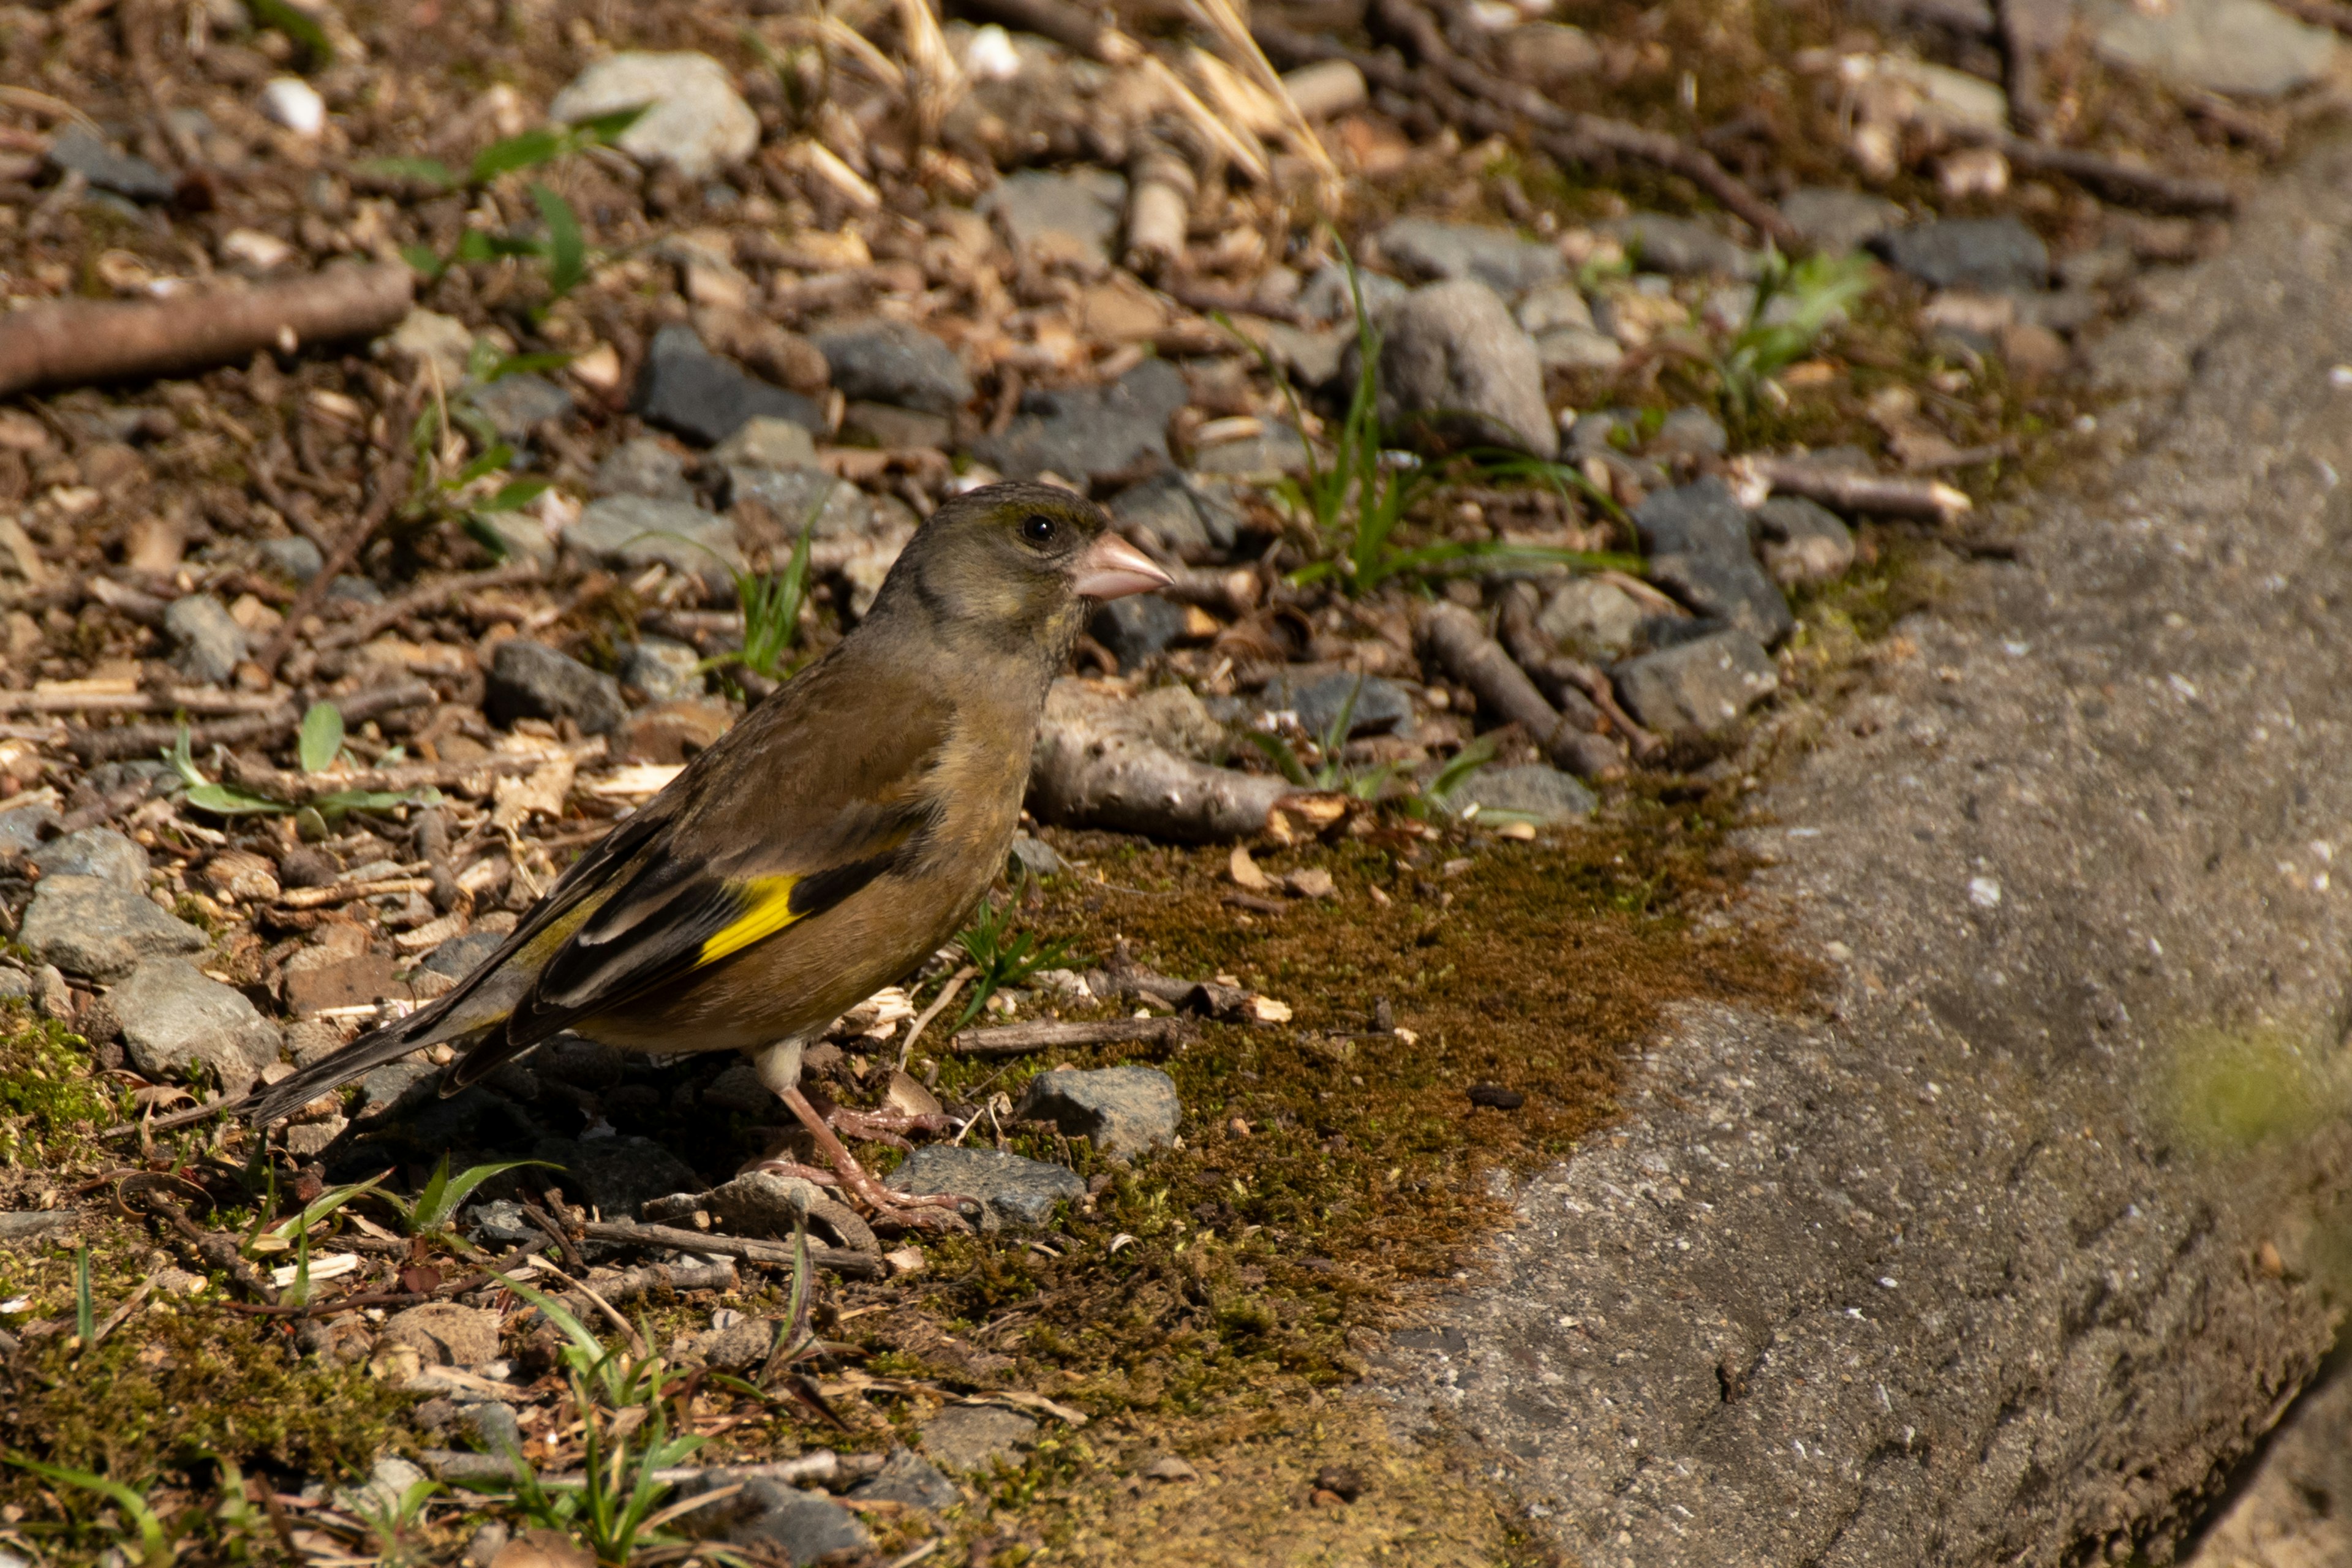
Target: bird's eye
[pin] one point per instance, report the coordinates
(1038, 529)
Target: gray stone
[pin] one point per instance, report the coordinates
(15, 981)
(461, 955)
(1837, 221)
(1136, 628)
(644, 466)
(1553, 306)
(631, 532)
(395, 1088)
(906, 1477)
(1690, 432)
(77, 149)
(1266, 457)
(294, 555)
(100, 929)
(1190, 521)
(492, 1423)
(1696, 539)
(778, 1520)
(1034, 857)
(967, 1437)
(1379, 706)
(798, 498)
(206, 643)
(740, 1345)
(697, 124)
(1455, 369)
(1802, 541)
(1684, 247)
(1014, 1191)
(1328, 296)
(2246, 48)
(27, 1224)
(1697, 687)
(616, 1174)
(663, 670)
(1548, 795)
(21, 827)
(762, 1204)
(175, 1016)
(1593, 617)
(1995, 255)
(1579, 348)
(583, 1063)
(353, 590)
(894, 363)
(515, 405)
(1426, 251)
(1123, 1110)
(99, 852)
(1080, 432)
(444, 1333)
(687, 389)
(1076, 214)
(531, 680)
(502, 1223)
(767, 442)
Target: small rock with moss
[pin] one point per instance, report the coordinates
(1012, 1191)
(444, 1333)
(974, 1436)
(174, 1017)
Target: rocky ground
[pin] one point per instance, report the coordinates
(432, 425)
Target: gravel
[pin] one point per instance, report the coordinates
(1015, 1192)
(780, 1521)
(896, 363)
(1681, 246)
(967, 1437)
(1082, 432)
(78, 151)
(1837, 220)
(687, 389)
(531, 680)
(174, 1017)
(1802, 541)
(1531, 789)
(1994, 255)
(1426, 250)
(1456, 368)
(86, 926)
(908, 1477)
(444, 1333)
(1188, 520)
(697, 123)
(206, 644)
(1697, 687)
(1073, 216)
(1136, 628)
(1696, 539)
(1122, 1110)
(99, 852)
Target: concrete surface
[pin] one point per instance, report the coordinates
(1929, 1277)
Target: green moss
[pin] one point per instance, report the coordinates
(50, 1100)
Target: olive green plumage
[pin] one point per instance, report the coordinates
(827, 844)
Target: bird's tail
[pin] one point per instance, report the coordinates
(425, 1027)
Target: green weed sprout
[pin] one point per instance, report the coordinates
(1328, 772)
(1001, 957)
(1355, 504)
(435, 1208)
(1812, 293)
(771, 605)
(317, 730)
(390, 1518)
(627, 1441)
(153, 1548)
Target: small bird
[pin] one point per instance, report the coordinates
(826, 845)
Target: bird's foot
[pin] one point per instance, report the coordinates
(909, 1211)
(885, 1126)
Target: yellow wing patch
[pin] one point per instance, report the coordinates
(767, 910)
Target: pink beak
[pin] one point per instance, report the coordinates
(1112, 569)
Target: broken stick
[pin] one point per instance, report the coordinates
(74, 342)
(1464, 651)
(1047, 1035)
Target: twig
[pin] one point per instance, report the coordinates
(387, 488)
(470, 774)
(840, 1260)
(1046, 1035)
(188, 698)
(95, 746)
(79, 342)
(432, 848)
(349, 892)
(2129, 185)
(416, 601)
(1466, 653)
(612, 1313)
(1852, 489)
(217, 1250)
(939, 1002)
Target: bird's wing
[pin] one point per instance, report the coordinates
(795, 820)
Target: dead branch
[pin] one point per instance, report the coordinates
(839, 1260)
(421, 601)
(1852, 489)
(1047, 1035)
(1089, 770)
(76, 343)
(2127, 184)
(266, 728)
(1461, 646)
(472, 775)
(176, 699)
(1579, 692)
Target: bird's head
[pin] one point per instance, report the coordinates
(1015, 562)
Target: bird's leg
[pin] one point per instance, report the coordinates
(779, 1067)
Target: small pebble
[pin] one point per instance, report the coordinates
(1495, 1096)
(290, 102)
